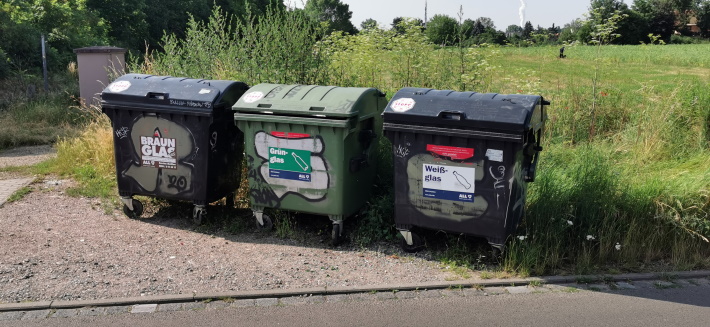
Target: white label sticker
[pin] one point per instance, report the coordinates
(158, 152)
(448, 182)
(494, 155)
(205, 91)
(403, 104)
(252, 97)
(119, 86)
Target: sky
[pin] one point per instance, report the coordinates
(503, 12)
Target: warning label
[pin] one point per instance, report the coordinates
(158, 152)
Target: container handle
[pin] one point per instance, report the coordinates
(157, 95)
(452, 115)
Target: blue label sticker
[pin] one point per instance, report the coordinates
(292, 175)
(448, 195)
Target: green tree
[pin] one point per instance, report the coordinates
(513, 31)
(441, 29)
(486, 22)
(335, 14)
(401, 25)
(126, 21)
(528, 30)
(703, 17)
(168, 17)
(657, 17)
(67, 24)
(368, 24)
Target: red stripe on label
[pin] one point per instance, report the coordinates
(450, 151)
(288, 135)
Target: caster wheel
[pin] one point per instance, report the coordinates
(137, 209)
(199, 215)
(229, 200)
(496, 253)
(268, 223)
(335, 236)
(417, 244)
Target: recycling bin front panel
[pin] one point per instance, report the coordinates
(457, 184)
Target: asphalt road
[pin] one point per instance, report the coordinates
(648, 306)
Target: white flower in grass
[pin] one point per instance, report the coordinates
(522, 237)
(617, 246)
(569, 222)
(591, 238)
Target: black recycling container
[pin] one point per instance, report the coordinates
(174, 138)
(462, 161)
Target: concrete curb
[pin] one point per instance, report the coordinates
(256, 294)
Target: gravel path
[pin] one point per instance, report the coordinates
(25, 156)
(57, 247)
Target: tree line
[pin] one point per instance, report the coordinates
(645, 21)
(141, 25)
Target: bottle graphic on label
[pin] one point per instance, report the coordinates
(300, 161)
(462, 180)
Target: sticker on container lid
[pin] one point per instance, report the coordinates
(204, 91)
(494, 155)
(119, 86)
(252, 97)
(403, 104)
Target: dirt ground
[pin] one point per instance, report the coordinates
(57, 247)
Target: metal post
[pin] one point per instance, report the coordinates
(44, 66)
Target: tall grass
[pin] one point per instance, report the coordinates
(277, 47)
(30, 116)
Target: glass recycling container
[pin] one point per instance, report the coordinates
(174, 138)
(462, 161)
(310, 148)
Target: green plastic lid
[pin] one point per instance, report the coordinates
(303, 100)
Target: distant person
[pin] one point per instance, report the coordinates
(562, 52)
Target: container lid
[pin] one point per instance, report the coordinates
(465, 110)
(177, 93)
(304, 100)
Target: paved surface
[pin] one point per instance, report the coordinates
(658, 302)
(26, 155)
(10, 186)
(22, 156)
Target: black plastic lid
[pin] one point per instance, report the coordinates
(148, 91)
(465, 110)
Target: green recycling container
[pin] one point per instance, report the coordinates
(310, 148)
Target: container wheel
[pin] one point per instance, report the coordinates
(335, 235)
(199, 215)
(229, 200)
(137, 209)
(417, 244)
(268, 223)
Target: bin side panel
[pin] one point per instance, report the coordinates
(226, 146)
(457, 184)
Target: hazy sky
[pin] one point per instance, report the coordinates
(503, 12)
